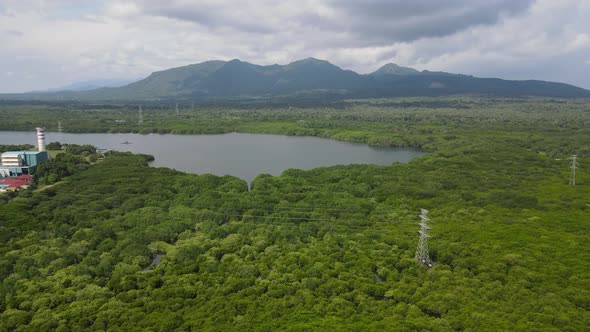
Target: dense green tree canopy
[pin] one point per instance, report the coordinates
(120, 245)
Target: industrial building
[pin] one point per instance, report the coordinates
(16, 163)
(21, 162)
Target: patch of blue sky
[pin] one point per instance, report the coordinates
(72, 10)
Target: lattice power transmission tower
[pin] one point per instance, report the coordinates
(422, 254)
(176, 110)
(140, 121)
(573, 172)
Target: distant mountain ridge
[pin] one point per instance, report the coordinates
(393, 69)
(307, 77)
(89, 85)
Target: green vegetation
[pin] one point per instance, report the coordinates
(21, 147)
(74, 159)
(329, 248)
(54, 146)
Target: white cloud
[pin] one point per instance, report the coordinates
(582, 40)
(51, 43)
(549, 43)
(122, 9)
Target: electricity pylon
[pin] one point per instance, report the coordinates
(422, 255)
(140, 121)
(573, 172)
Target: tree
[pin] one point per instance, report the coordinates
(54, 146)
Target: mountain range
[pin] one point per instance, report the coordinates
(89, 85)
(308, 77)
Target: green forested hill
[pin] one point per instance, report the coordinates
(326, 249)
(307, 77)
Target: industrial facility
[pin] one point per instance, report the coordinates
(18, 165)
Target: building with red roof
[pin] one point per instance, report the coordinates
(21, 181)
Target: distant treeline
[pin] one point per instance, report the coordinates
(21, 147)
(248, 103)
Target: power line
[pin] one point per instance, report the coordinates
(283, 221)
(302, 209)
(296, 214)
(225, 214)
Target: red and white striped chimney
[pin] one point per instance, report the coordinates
(41, 138)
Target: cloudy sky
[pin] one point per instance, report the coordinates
(52, 43)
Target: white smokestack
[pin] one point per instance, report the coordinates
(41, 138)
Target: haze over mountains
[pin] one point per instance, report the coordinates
(90, 85)
(308, 77)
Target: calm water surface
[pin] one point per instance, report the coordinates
(238, 154)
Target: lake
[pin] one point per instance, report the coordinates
(239, 154)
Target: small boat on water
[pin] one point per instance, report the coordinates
(126, 142)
